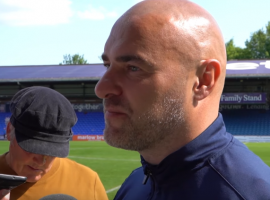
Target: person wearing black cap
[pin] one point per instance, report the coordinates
(39, 132)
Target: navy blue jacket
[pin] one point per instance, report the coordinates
(213, 166)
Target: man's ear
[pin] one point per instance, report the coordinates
(8, 130)
(207, 74)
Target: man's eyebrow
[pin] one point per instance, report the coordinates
(127, 58)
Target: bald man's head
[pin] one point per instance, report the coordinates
(165, 64)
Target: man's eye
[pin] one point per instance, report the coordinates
(106, 65)
(134, 69)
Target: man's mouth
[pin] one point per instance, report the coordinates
(33, 168)
(109, 114)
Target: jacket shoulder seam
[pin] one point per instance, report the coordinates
(226, 180)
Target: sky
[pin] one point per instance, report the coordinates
(41, 32)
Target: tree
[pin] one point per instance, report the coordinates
(257, 47)
(234, 52)
(267, 42)
(75, 59)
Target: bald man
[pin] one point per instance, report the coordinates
(166, 65)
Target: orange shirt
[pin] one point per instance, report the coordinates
(65, 177)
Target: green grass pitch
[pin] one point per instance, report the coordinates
(114, 165)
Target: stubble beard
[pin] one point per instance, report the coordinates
(152, 127)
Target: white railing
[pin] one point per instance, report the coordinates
(252, 138)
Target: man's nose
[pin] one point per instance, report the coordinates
(39, 159)
(109, 84)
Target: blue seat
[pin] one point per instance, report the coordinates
(3, 116)
(91, 123)
(247, 122)
(238, 122)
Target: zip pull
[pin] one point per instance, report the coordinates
(146, 177)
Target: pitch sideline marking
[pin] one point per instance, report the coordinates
(113, 189)
(91, 158)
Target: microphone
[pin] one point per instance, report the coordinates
(58, 197)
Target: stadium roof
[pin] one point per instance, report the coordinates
(248, 68)
(235, 69)
(51, 73)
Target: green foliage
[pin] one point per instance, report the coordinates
(267, 42)
(257, 47)
(75, 59)
(234, 52)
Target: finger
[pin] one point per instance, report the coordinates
(4, 194)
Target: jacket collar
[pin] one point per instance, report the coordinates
(191, 156)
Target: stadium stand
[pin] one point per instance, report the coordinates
(77, 83)
(247, 122)
(3, 117)
(91, 123)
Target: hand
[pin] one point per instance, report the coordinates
(4, 194)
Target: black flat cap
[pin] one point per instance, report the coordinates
(43, 119)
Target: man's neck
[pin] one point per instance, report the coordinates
(172, 143)
(163, 149)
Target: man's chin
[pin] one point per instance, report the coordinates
(115, 139)
(121, 142)
(111, 139)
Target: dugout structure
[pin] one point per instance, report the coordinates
(244, 103)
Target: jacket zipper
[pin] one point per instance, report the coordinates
(146, 176)
(145, 179)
